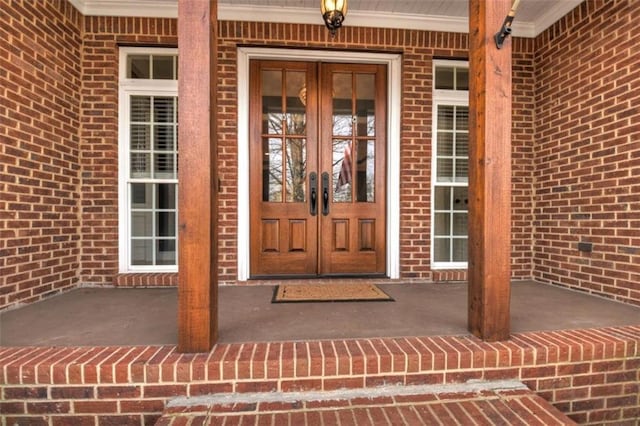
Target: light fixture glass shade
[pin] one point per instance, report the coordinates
(333, 12)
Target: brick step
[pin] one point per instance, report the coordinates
(472, 403)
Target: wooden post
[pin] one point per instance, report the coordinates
(489, 172)
(197, 196)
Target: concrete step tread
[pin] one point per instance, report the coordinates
(473, 403)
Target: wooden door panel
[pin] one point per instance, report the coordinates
(283, 152)
(353, 152)
(331, 125)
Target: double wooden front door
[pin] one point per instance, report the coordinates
(317, 158)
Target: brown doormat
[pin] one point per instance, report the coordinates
(291, 293)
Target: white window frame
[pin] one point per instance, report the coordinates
(444, 98)
(127, 88)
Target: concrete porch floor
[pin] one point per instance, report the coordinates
(117, 316)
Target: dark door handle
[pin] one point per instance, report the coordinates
(313, 196)
(325, 193)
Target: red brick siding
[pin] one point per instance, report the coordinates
(593, 376)
(40, 149)
(99, 139)
(418, 50)
(587, 150)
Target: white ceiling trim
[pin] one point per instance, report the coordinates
(357, 18)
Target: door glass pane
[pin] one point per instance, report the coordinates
(272, 169)
(296, 100)
(342, 111)
(296, 170)
(342, 171)
(272, 102)
(365, 171)
(365, 104)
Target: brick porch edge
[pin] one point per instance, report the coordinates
(591, 375)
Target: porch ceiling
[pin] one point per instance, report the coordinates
(533, 17)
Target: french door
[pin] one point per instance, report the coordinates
(317, 168)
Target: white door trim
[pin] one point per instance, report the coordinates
(394, 68)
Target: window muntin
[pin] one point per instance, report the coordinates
(450, 166)
(148, 159)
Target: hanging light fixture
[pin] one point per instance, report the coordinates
(333, 12)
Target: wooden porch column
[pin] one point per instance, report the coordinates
(197, 196)
(489, 172)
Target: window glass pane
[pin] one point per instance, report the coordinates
(140, 165)
(140, 109)
(166, 252)
(444, 170)
(442, 198)
(462, 79)
(462, 170)
(365, 104)
(272, 170)
(342, 170)
(441, 250)
(163, 110)
(295, 116)
(462, 145)
(138, 66)
(164, 166)
(342, 111)
(141, 195)
(462, 118)
(165, 224)
(460, 198)
(163, 67)
(140, 137)
(445, 143)
(296, 167)
(272, 111)
(164, 138)
(459, 224)
(365, 171)
(141, 224)
(445, 117)
(142, 252)
(459, 250)
(444, 78)
(166, 197)
(442, 224)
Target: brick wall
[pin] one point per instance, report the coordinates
(577, 105)
(99, 141)
(593, 376)
(418, 50)
(587, 150)
(39, 150)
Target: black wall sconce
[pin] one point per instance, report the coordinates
(333, 13)
(506, 25)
